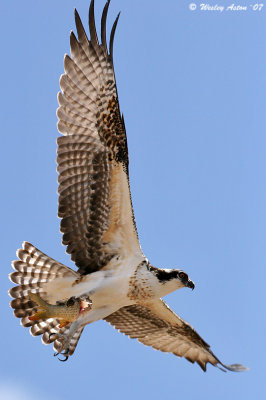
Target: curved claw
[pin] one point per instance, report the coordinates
(66, 358)
(63, 349)
(65, 354)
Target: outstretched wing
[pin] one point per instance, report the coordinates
(94, 195)
(158, 326)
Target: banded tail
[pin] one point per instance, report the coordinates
(32, 271)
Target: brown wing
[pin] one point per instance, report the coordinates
(158, 326)
(94, 195)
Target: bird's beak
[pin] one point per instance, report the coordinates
(190, 284)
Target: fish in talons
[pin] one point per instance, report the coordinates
(66, 311)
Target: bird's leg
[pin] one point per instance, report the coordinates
(64, 348)
(64, 340)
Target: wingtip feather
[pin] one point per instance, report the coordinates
(103, 25)
(82, 36)
(112, 35)
(92, 27)
(235, 367)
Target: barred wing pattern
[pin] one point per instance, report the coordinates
(94, 194)
(156, 325)
(32, 271)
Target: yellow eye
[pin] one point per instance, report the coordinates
(182, 275)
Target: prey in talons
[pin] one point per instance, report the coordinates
(65, 311)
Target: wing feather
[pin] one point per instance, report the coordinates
(103, 26)
(94, 195)
(156, 325)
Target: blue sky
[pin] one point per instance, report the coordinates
(192, 88)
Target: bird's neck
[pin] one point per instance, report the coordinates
(161, 281)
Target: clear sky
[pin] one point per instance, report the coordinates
(192, 88)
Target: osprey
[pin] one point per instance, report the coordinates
(114, 279)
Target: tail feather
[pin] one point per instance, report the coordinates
(23, 290)
(32, 271)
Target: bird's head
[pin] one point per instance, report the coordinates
(172, 279)
(184, 279)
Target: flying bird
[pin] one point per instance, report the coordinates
(114, 279)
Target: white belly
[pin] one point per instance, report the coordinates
(108, 297)
(108, 289)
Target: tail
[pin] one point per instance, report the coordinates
(32, 271)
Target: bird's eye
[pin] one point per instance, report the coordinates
(182, 275)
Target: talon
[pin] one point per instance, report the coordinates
(65, 354)
(66, 358)
(56, 354)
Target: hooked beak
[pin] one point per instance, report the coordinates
(190, 284)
